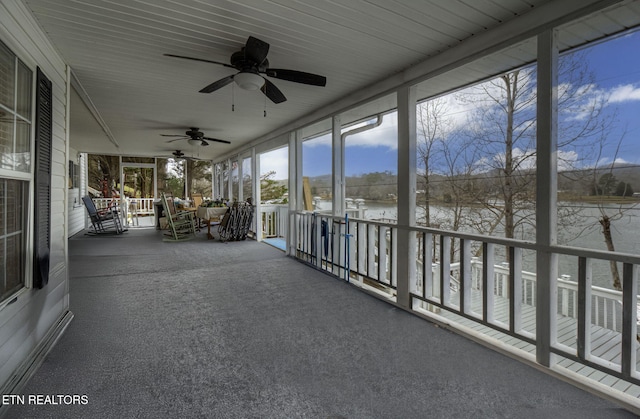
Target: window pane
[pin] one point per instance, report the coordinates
(247, 185)
(128, 159)
(23, 91)
(234, 179)
(6, 143)
(22, 156)
(13, 194)
(274, 176)
(371, 170)
(7, 76)
(14, 206)
(316, 173)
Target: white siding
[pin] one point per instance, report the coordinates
(27, 324)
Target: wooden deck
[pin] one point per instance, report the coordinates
(606, 344)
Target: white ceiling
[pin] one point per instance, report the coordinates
(115, 49)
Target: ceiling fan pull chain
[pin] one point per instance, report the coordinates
(233, 98)
(265, 106)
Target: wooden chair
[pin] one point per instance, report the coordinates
(180, 223)
(196, 201)
(105, 221)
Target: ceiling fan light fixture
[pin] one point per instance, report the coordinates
(191, 141)
(248, 80)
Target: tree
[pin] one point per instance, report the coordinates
(623, 189)
(104, 173)
(607, 184)
(198, 177)
(502, 128)
(271, 189)
(433, 127)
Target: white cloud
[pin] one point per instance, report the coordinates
(386, 135)
(275, 160)
(624, 93)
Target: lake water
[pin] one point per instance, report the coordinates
(580, 230)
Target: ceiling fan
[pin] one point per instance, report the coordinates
(195, 137)
(251, 61)
(179, 155)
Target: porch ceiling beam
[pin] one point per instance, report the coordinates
(84, 96)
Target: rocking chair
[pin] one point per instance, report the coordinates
(181, 224)
(104, 221)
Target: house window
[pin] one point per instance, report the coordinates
(13, 204)
(16, 105)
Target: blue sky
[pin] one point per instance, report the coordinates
(616, 67)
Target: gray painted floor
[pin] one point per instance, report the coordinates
(204, 329)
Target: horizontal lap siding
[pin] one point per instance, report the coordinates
(25, 323)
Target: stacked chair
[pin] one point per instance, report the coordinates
(236, 222)
(103, 221)
(181, 224)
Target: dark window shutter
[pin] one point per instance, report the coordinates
(42, 230)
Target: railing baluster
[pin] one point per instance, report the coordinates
(394, 256)
(362, 254)
(382, 254)
(465, 275)
(427, 274)
(318, 247)
(445, 269)
(629, 319)
(371, 248)
(584, 307)
(488, 279)
(515, 289)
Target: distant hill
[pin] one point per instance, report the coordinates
(378, 185)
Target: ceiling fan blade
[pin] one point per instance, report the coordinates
(199, 59)
(178, 139)
(172, 135)
(217, 84)
(272, 92)
(215, 139)
(256, 50)
(203, 143)
(297, 76)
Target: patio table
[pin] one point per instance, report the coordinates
(211, 214)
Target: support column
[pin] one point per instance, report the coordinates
(295, 189)
(255, 178)
(241, 197)
(337, 152)
(546, 193)
(406, 245)
(229, 192)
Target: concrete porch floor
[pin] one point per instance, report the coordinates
(204, 329)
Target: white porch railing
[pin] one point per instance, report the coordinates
(137, 206)
(274, 220)
(491, 291)
(143, 206)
